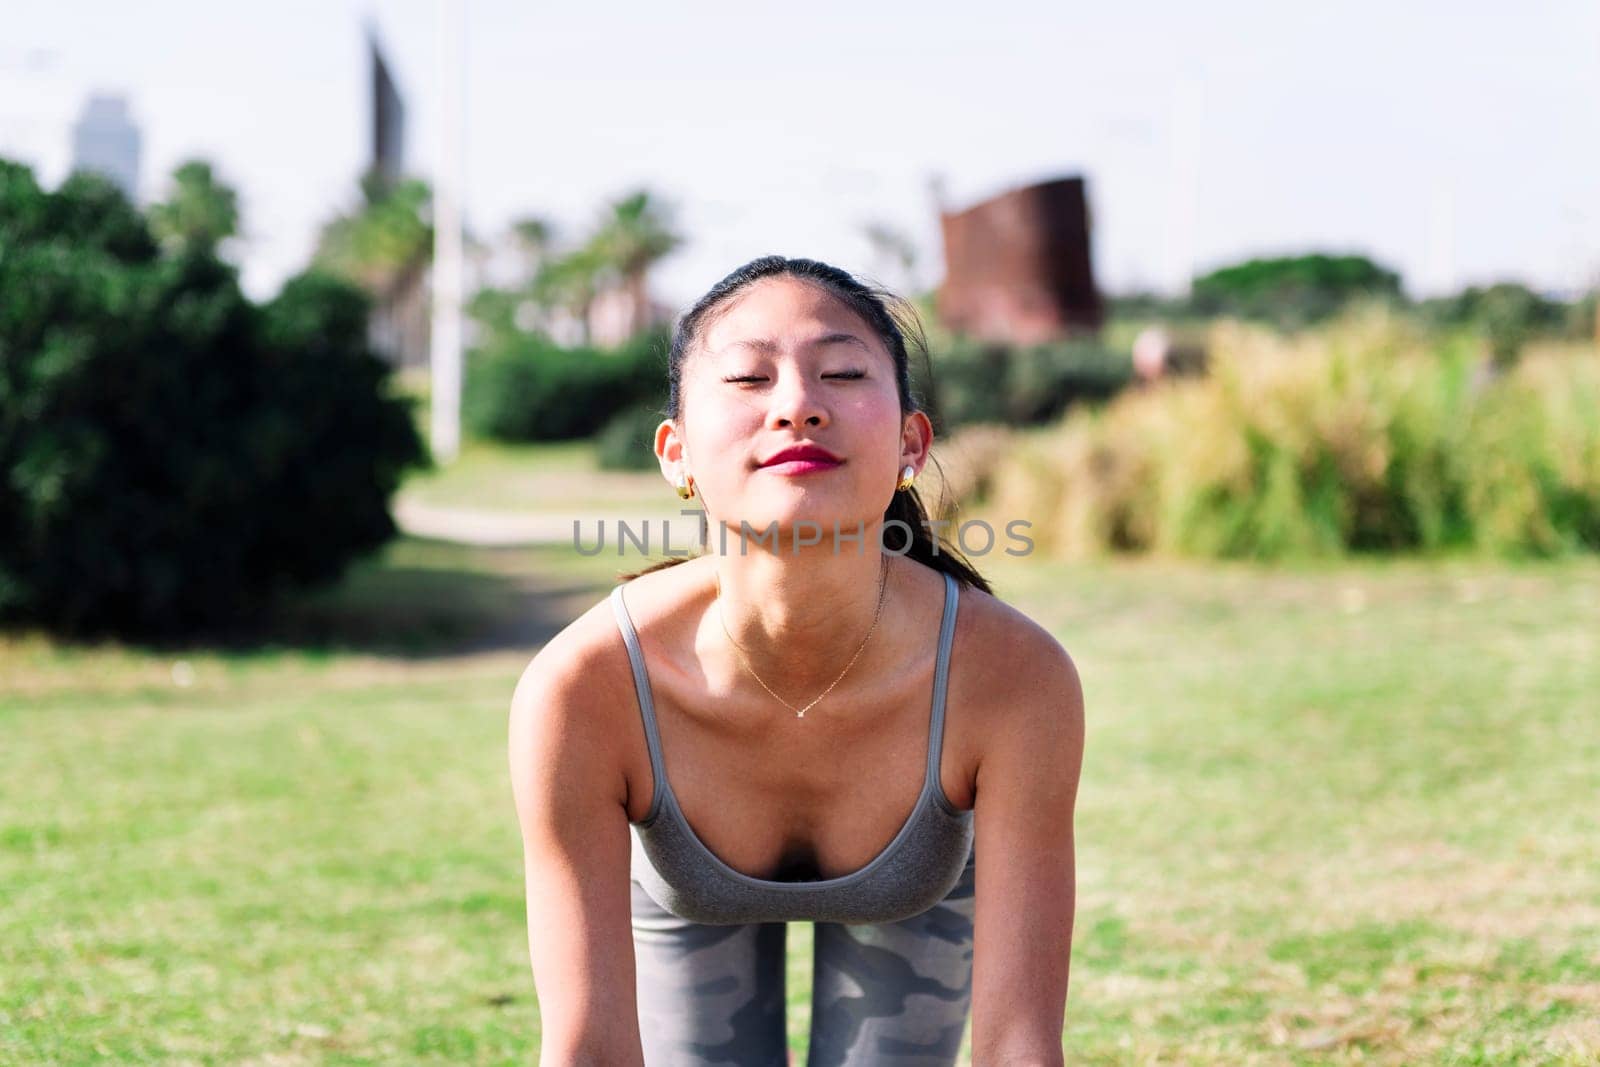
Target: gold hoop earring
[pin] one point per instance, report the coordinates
(684, 487)
(906, 478)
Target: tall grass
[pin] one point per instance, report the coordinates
(1366, 436)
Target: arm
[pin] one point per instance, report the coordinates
(1027, 785)
(571, 799)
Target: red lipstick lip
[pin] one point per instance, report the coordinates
(815, 453)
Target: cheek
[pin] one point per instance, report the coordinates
(879, 420)
(714, 423)
(729, 429)
(875, 439)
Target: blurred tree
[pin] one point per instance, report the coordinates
(1510, 315)
(171, 455)
(200, 212)
(572, 282)
(386, 239)
(1292, 291)
(1506, 314)
(529, 299)
(636, 232)
(86, 214)
(1583, 317)
(1146, 304)
(533, 238)
(556, 289)
(523, 306)
(384, 247)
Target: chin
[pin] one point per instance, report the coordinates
(790, 515)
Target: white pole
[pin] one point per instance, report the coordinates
(445, 352)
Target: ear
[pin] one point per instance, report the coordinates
(669, 451)
(916, 438)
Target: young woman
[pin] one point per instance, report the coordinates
(817, 718)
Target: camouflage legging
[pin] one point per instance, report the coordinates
(883, 993)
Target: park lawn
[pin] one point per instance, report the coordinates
(1328, 815)
(555, 476)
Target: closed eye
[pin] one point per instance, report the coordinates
(847, 374)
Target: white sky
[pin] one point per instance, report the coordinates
(1457, 142)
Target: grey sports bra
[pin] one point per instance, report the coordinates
(918, 867)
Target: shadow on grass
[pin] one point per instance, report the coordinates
(422, 612)
(421, 599)
(424, 599)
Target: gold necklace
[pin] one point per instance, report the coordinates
(799, 713)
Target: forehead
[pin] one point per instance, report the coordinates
(785, 313)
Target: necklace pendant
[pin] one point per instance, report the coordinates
(800, 713)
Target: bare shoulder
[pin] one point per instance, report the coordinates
(578, 686)
(583, 656)
(1023, 680)
(581, 685)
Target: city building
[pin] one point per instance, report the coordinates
(105, 140)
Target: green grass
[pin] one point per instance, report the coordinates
(558, 476)
(1329, 815)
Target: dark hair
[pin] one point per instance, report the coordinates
(892, 318)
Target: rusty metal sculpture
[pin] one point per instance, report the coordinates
(1017, 267)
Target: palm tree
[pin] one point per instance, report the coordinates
(387, 239)
(199, 213)
(533, 238)
(384, 246)
(532, 241)
(635, 234)
(571, 281)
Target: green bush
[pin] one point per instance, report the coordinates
(1581, 322)
(627, 440)
(1507, 314)
(525, 387)
(1360, 437)
(340, 439)
(171, 455)
(976, 382)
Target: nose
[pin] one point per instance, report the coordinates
(796, 402)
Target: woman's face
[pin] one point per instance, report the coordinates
(788, 364)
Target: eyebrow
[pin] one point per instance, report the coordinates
(768, 345)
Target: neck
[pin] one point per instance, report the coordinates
(800, 617)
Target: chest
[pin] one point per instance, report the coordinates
(800, 799)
